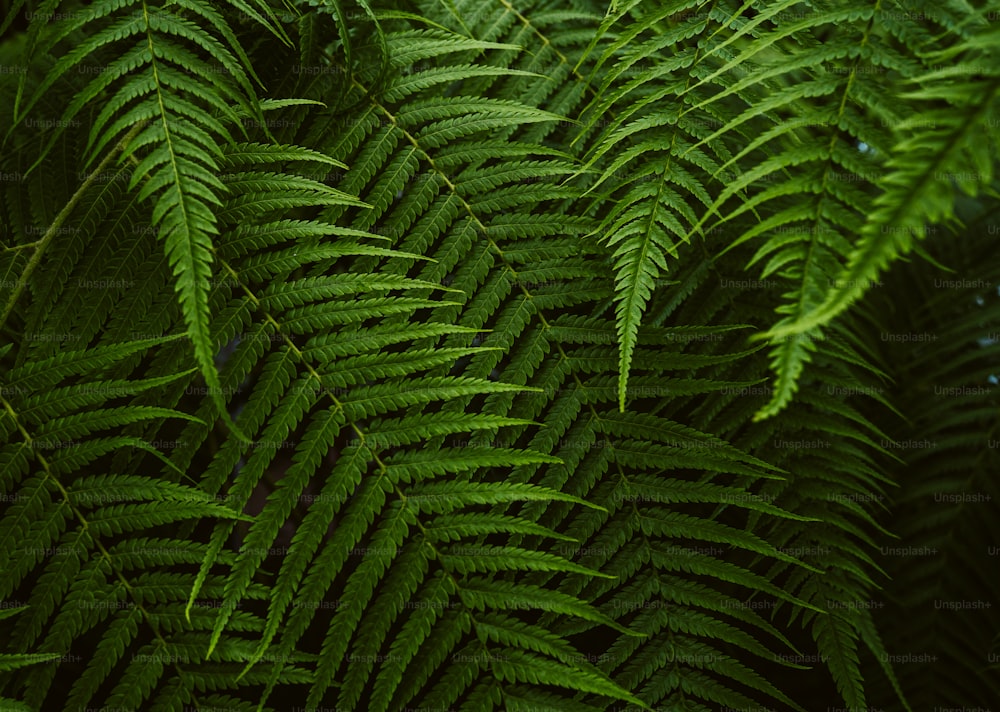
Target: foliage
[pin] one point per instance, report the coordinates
(472, 356)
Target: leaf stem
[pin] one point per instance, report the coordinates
(53, 230)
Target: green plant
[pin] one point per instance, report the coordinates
(478, 356)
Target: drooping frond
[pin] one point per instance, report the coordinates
(943, 152)
(168, 80)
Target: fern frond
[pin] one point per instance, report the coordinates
(941, 152)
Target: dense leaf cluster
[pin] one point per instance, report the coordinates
(466, 355)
